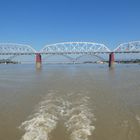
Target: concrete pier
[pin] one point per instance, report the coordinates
(111, 60)
(38, 60)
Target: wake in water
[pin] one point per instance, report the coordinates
(72, 108)
(138, 119)
(79, 118)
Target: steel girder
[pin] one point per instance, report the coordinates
(65, 48)
(75, 48)
(15, 49)
(132, 47)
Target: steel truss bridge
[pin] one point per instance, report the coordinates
(68, 48)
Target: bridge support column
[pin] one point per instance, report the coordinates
(111, 60)
(38, 60)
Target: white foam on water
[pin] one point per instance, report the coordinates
(39, 127)
(72, 108)
(80, 118)
(138, 119)
(43, 121)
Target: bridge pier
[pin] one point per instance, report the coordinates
(38, 60)
(111, 60)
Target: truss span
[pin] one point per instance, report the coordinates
(75, 48)
(15, 49)
(130, 47)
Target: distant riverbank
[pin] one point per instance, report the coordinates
(135, 61)
(7, 61)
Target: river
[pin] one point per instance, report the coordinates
(70, 102)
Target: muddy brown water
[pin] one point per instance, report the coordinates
(70, 102)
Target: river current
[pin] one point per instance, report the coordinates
(70, 102)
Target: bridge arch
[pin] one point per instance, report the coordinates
(13, 48)
(133, 46)
(74, 48)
